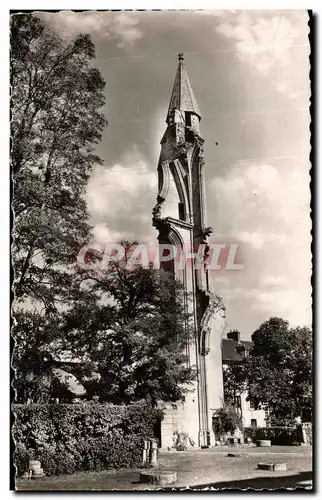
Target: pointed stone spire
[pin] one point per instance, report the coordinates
(182, 97)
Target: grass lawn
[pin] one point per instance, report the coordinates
(196, 469)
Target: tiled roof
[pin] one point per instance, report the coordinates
(182, 94)
(230, 348)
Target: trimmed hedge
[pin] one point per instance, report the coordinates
(280, 436)
(75, 437)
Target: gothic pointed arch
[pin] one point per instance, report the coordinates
(214, 305)
(164, 180)
(181, 184)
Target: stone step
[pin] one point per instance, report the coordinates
(272, 466)
(158, 477)
(263, 442)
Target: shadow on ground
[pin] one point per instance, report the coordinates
(301, 480)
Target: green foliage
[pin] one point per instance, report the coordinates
(279, 436)
(234, 382)
(138, 341)
(123, 452)
(135, 346)
(56, 122)
(226, 420)
(280, 371)
(126, 325)
(277, 374)
(69, 438)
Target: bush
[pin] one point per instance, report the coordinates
(279, 436)
(100, 454)
(73, 437)
(226, 420)
(21, 458)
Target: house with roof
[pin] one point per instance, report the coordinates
(235, 350)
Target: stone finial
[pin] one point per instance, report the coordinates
(180, 56)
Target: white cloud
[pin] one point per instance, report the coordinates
(119, 26)
(273, 281)
(267, 208)
(257, 240)
(273, 298)
(120, 199)
(103, 234)
(288, 303)
(264, 41)
(126, 29)
(122, 188)
(221, 280)
(252, 191)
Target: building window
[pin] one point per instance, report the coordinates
(253, 422)
(188, 119)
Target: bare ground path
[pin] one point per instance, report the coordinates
(197, 469)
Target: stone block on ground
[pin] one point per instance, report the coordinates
(158, 477)
(263, 442)
(280, 466)
(34, 464)
(262, 466)
(38, 473)
(272, 466)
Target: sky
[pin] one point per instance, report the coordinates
(250, 74)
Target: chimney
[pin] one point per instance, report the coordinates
(234, 335)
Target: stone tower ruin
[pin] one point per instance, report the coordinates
(181, 159)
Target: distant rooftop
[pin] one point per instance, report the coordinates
(232, 350)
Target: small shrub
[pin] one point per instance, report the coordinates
(226, 420)
(21, 457)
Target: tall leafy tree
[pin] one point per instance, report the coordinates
(137, 334)
(234, 381)
(278, 372)
(56, 122)
(126, 325)
(128, 343)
